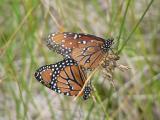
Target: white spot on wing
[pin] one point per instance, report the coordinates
(53, 34)
(63, 40)
(59, 91)
(75, 36)
(84, 42)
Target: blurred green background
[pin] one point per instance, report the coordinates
(24, 26)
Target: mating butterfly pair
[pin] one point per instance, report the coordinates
(80, 51)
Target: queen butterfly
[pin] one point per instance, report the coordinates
(88, 50)
(65, 77)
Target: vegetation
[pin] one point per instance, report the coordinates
(134, 25)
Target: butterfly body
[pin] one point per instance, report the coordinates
(88, 50)
(65, 77)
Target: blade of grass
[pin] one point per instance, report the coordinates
(101, 105)
(10, 40)
(89, 111)
(122, 24)
(134, 29)
(49, 105)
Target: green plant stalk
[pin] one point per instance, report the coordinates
(134, 29)
(122, 24)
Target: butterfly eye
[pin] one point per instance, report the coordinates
(88, 50)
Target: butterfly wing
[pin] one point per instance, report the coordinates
(84, 48)
(63, 77)
(89, 57)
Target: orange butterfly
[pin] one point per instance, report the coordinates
(65, 77)
(88, 50)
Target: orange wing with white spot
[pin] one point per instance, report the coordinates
(63, 77)
(87, 50)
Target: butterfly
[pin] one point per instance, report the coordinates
(65, 77)
(88, 50)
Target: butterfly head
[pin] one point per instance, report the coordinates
(108, 43)
(86, 92)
